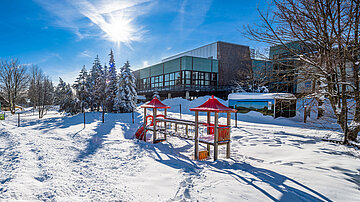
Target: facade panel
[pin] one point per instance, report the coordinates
(215, 66)
(186, 63)
(172, 66)
(156, 70)
(144, 73)
(202, 64)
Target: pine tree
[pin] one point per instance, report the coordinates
(111, 82)
(60, 92)
(70, 104)
(82, 88)
(95, 83)
(126, 95)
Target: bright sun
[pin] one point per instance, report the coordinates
(120, 30)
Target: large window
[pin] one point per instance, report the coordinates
(184, 78)
(157, 81)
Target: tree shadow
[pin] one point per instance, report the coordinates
(64, 122)
(96, 141)
(173, 157)
(271, 178)
(176, 160)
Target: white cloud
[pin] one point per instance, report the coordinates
(111, 20)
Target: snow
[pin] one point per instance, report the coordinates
(55, 158)
(261, 96)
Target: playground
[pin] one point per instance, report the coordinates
(56, 158)
(211, 134)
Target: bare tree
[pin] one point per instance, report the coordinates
(329, 32)
(13, 81)
(41, 90)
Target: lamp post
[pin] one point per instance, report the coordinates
(197, 93)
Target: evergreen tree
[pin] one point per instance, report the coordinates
(111, 82)
(70, 104)
(60, 92)
(96, 85)
(81, 87)
(126, 95)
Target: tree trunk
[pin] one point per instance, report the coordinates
(353, 132)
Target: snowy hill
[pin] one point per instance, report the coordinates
(55, 158)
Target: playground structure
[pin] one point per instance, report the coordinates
(211, 134)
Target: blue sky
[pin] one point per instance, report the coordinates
(62, 36)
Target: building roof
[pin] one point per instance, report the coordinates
(155, 104)
(212, 105)
(260, 96)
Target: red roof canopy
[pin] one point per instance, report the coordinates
(155, 103)
(212, 105)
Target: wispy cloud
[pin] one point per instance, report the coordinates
(48, 56)
(111, 20)
(85, 53)
(191, 15)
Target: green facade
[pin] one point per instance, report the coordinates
(180, 64)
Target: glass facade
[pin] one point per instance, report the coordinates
(179, 73)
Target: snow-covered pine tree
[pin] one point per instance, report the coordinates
(111, 83)
(105, 93)
(95, 83)
(82, 88)
(126, 95)
(60, 92)
(70, 104)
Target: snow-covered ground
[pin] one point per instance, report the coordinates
(55, 158)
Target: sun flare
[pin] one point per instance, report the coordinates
(119, 29)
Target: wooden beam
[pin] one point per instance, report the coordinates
(228, 119)
(154, 119)
(165, 114)
(144, 131)
(228, 144)
(196, 135)
(208, 122)
(216, 137)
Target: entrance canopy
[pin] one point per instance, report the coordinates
(155, 104)
(212, 105)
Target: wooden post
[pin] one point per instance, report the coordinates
(208, 122)
(180, 111)
(305, 114)
(18, 120)
(103, 114)
(132, 116)
(236, 119)
(187, 132)
(216, 136)
(84, 118)
(154, 127)
(228, 120)
(144, 131)
(228, 144)
(274, 108)
(196, 135)
(165, 114)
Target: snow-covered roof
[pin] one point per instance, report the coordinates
(140, 97)
(212, 105)
(155, 104)
(260, 96)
